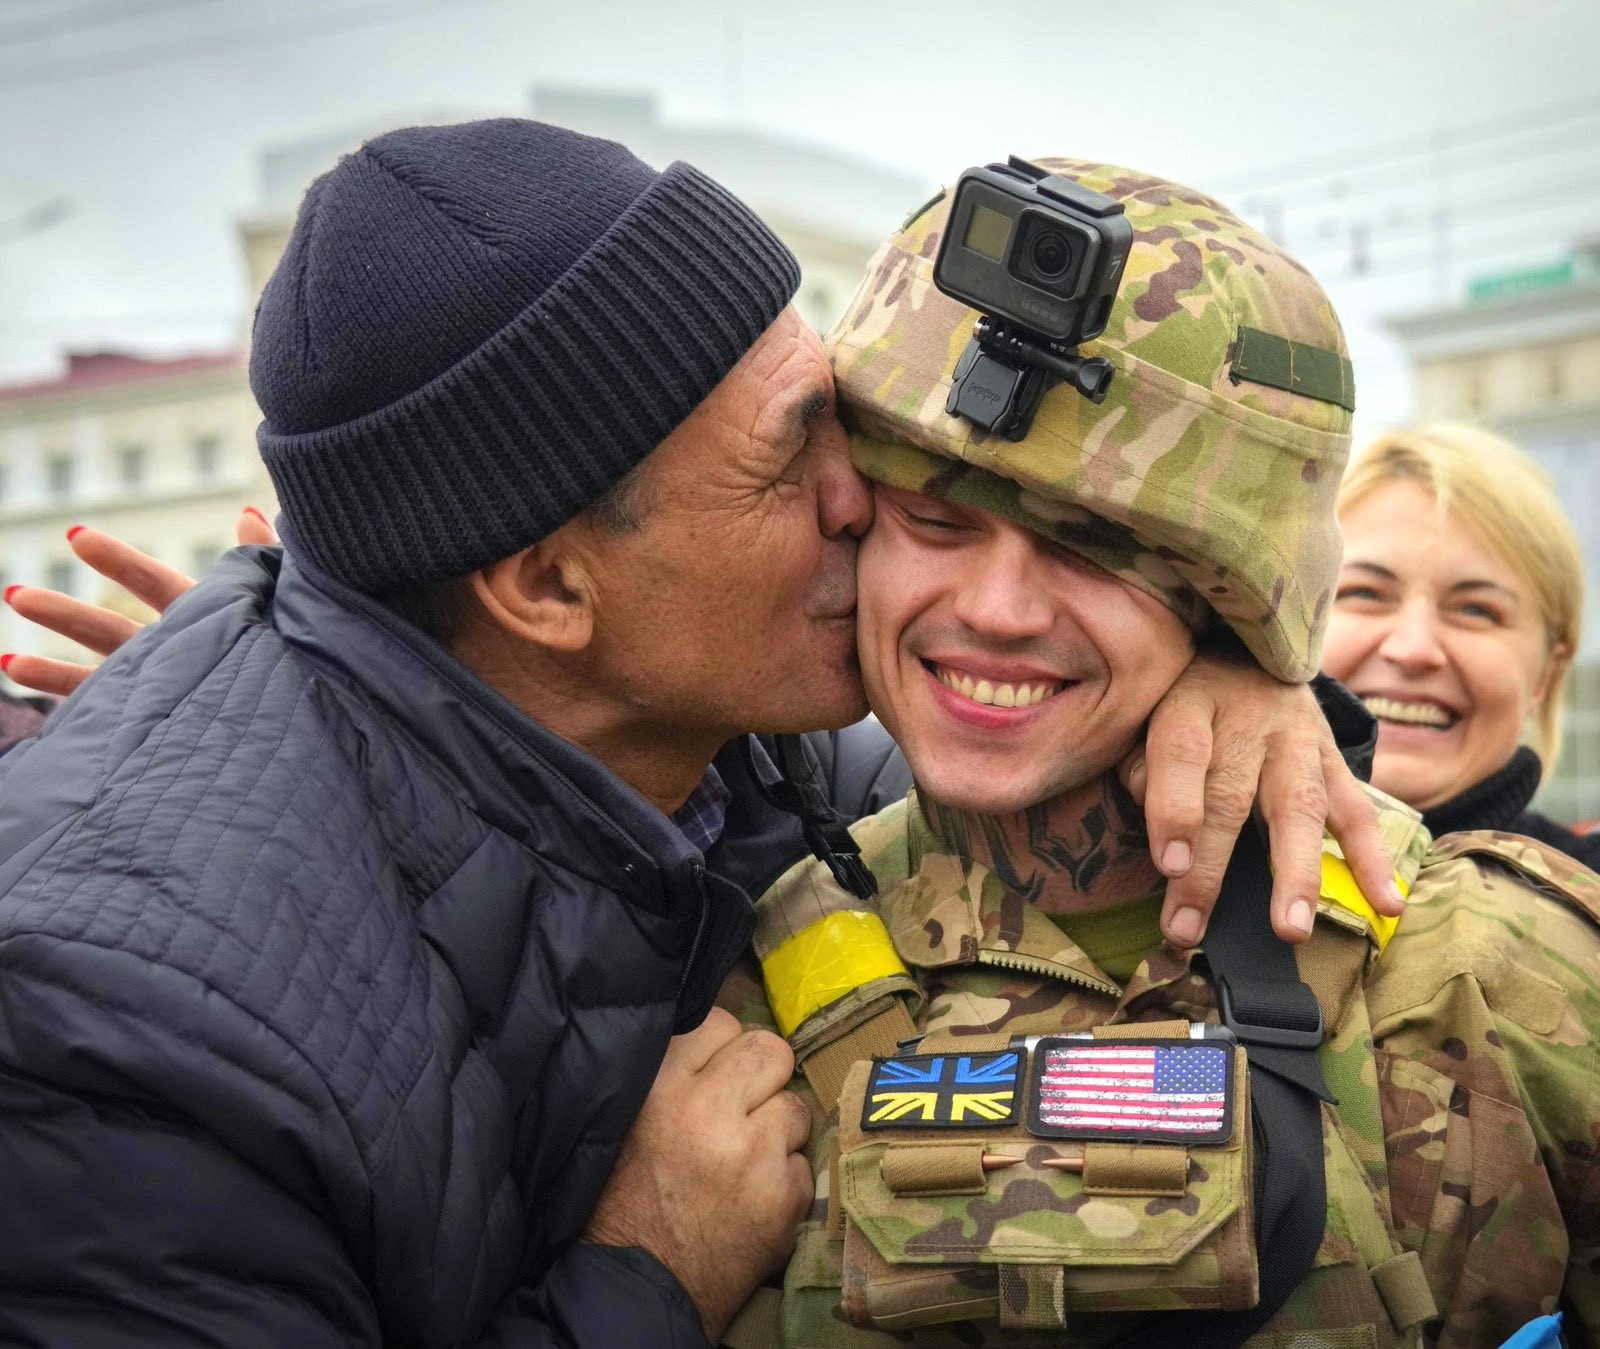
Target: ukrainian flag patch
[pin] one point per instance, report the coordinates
(944, 1091)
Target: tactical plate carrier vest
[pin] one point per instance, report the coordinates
(952, 1209)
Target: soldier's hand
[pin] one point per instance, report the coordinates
(1228, 737)
(712, 1180)
(100, 631)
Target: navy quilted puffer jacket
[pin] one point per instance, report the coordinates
(329, 985)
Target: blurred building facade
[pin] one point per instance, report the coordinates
(1521, 355)
(832, 210)
(162, 452)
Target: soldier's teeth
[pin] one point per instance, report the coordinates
(1412, 714)
(994, 695)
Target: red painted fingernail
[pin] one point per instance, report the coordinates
(74, 532)
(259, 516)
(10, 591)
(5, 661)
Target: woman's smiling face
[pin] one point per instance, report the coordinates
(1440, 637)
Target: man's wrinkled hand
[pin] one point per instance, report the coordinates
(712, 1180)
(100, 631)
(1228, 738)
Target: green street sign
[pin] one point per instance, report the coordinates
(1501, 285)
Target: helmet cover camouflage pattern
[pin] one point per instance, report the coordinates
(1216, 457)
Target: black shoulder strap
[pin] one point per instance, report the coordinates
(1278, 1021)
(795, 791)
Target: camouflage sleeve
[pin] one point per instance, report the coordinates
(1491, 988)
(1557, 1077)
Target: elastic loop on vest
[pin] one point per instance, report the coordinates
(834, 956)
(1156, 1169)
(933, 1168)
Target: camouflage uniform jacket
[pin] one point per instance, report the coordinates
(1463, 1056)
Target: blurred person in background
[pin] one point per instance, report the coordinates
(1456, 620)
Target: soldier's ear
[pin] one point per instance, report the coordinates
(543, 595)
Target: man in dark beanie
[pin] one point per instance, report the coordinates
(360, 922)
(337, 961)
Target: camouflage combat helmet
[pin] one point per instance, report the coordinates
(1208, 475)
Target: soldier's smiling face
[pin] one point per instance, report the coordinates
(1009, 668)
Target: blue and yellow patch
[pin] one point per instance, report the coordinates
(944, 1091)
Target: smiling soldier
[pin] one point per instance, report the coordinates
(1041, 1123)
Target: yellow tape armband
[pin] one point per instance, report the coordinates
(819, 965)
(1339, 887)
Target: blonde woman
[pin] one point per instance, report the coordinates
(1455, 620)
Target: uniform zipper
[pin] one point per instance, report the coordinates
(698, 871)
(1008, 960)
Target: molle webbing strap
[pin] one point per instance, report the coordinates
(879, 1036)
(989, 1043)
(1265, 358)
(1143, 1030)
(1033, 1297)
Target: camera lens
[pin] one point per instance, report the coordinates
(1050, 253)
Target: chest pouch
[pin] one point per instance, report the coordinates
(1030, 1184)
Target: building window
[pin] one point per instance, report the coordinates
(203, 557)
(59, 576)
(207, 457)
(130, 467)
(58, 475)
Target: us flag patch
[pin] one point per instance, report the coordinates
(1166, 1091)
(944, 1091)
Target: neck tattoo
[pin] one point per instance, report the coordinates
(1085, 849)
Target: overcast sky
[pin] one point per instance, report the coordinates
(1399, 146)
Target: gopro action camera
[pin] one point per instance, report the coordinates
(1040, 257)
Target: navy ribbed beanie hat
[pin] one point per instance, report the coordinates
(476, 329)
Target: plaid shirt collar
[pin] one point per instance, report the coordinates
(702, 817)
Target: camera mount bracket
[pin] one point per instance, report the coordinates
(1004, 372)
